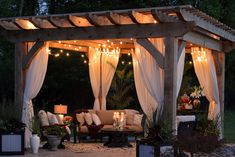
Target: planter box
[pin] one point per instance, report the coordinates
(12, 143)
(145, 149)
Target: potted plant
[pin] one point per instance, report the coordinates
(35, 139)
(54, 135)
(157, 134)
(208, 134)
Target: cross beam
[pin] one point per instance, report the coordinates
(105, 32)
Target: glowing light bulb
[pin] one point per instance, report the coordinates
(82, 56)
(67, 54)
(85, 61)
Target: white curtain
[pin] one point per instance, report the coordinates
(205, 70)
(94, 71)
(149, 78)
(33, 83)
(109, 62)
(180, 71)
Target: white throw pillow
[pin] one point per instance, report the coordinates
(80, 118)
(130, 116)
(95, 119)
(88, 118)
(59, 119)
(43, 118)
(138, 119)
(52, 118)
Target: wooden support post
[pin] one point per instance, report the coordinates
(221, 79)
(170, 80)
(20, 51)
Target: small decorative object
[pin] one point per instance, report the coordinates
(35, 139)
(185, 102)
(118, 120)
(54, 135)
(35, 143)
(196, 95)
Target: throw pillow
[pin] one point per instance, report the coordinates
(43, 118)
(138, 119)
(88, 118)
(95, 119)
(130, 116)
(52, 118)
(80, 118)
(59, 119)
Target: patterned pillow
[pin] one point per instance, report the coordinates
(88, 118)
(80, 118)
(43, 118)
(52, 118)
(96, 119)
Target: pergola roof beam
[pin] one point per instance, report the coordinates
(105, 32)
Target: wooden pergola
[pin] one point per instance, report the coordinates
(180, 26)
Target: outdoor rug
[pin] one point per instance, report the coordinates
(228, 150)
(95, 147)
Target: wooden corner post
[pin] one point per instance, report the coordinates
(20, 51)
(170, 80)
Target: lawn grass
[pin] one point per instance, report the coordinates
(229, 126)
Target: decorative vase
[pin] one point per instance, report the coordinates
(196, 103)
(35, 143)
(53, 141)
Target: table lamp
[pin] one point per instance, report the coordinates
(60, 110)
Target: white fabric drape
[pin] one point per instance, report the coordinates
(180, 71)
(205, 70)
(108, 65)
(33, 83)
(94, 72)
(149, 78)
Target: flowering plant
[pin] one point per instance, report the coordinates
(68, 120)
(197, 92)
(191, 100)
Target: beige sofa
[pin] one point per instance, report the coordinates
(133, 122)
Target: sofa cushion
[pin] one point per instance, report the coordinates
(59, 119)
(88, 118)
(130, 116)
(108, 127)
(137, 128)
(83, 129)
(95, 119)
(80, 118)
(43, 118)
(52, 118)
(106, 117)
(138, 119)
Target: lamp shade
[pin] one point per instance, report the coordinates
(60, 109)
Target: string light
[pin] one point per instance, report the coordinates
(57, 55)
(79, 47)
(129, 63)
(74, 41)
(121, 42)
(123, 62)
(190, 62)
(155, 21)
(69, 45)
(61, 51)
(108, 41)
(59, 42)
(85, 61)
(67, 54)
(129, 53)
(82, 56)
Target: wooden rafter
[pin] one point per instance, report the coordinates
(104, 32)
(145, 43)
(203, 41)
(32, 53)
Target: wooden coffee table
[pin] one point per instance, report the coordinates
(117, 138)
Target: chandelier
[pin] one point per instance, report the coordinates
(200, 53)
